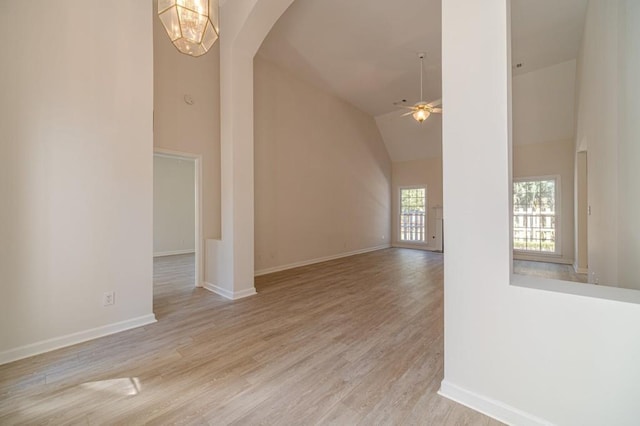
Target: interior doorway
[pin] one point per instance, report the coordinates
(177, 215)
(582, 214)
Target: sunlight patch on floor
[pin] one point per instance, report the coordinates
(127, 386)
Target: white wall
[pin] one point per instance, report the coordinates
(544, 104)
(418, 172)
(607, 127)
(75, 171)
(173, 206)
(597, 131)
(322, 173)
(521, 354)
(629, 145)
(407, 140)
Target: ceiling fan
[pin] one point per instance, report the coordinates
(421, 110)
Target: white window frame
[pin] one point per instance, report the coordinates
(558, 217)
(425, 241)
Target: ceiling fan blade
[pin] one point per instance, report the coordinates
(436, 110)
(435, 103)
(406, 113)
(404, 107)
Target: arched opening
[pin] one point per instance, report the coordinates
(246, 26)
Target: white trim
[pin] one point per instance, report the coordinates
(231, 295)
(199, 249)
(318, 260)
(625, 295)
(173, 252)
(485, 405)
(580, 270)
(73, 338)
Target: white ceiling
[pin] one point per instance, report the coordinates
(365, 52)
(408, 140)
(546, 32)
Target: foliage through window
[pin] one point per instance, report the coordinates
(535, 215)
(413, 202)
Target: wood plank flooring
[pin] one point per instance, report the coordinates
(352, 341)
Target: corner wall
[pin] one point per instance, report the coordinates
(608, 128)
(629, 147)
(322, 174)
(523, 355)
(75, 172)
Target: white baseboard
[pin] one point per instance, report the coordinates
(580, 270)
(318, 260)
(73, 339)
(173, 252)
(231, 295)
(492, 408)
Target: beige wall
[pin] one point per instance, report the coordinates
(418, 172)
(193, 129)
(544, 104)
(322, 173)
(545, 159)
(75, 171)
(543, 129)
(173, 206)
(629, 145)
(608, 129)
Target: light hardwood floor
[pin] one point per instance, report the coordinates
(352, 341)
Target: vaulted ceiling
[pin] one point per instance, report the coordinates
(365, 52)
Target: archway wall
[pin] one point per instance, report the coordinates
(245, 25)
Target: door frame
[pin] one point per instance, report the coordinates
(199, 246)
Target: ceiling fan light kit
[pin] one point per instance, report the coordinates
(421, 113)
(422, 110)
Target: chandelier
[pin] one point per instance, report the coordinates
(192, 25)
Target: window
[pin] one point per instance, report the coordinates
(413, 202)
(535, 216)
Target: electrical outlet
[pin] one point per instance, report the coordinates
(109, 298)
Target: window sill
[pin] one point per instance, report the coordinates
(580, 289)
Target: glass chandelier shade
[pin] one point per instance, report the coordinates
(421, 113)
(192, 25)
